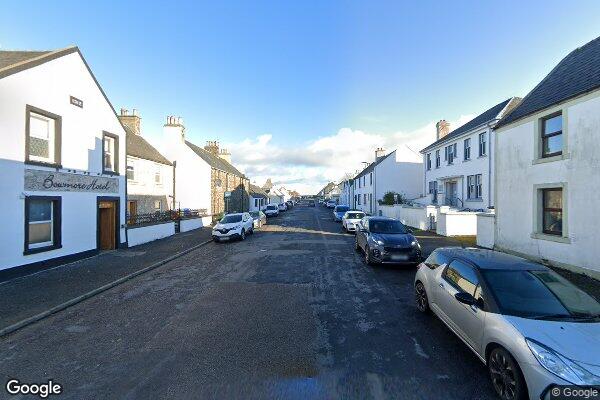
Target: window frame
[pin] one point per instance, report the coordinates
(467, 149)
(482, 144)
(157, 174)
(56, 225)
(545, 209)
(116, 153)
(454, 284)
(57, 136)
(428, 158)
(438, 159)
(544, 136)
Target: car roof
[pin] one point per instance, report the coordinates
(227, 215)
(376, 218)
(486, 259)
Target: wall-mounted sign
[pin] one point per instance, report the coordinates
(227, 194)
(51, 181)
(76, 102)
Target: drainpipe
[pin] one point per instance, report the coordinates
(490, 154)
(174, 181)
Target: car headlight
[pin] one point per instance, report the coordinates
(379, 242)
(416, 244)
(561, 366)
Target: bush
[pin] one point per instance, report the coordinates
(391, 198)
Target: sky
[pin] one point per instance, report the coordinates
(304, 92)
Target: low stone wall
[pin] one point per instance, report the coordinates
(456, 223)
(137, 235)
(190, 224)
(485, 230)
(415, 217)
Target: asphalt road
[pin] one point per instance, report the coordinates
(292, 312)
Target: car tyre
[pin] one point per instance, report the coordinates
(243, 234)
(356, 246)
(421, 299)
(216, 240)
(506, 376)
(368, 259)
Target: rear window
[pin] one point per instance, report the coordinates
(342, 208)
(271, 207)
(355, 215)
(436, 259)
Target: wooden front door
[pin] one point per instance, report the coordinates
(107, 211)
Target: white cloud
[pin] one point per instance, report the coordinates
(308, 168)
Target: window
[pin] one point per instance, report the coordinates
(42, 136)
(42, 224)
(365, 199)
(110, 151)
(552, 136)
(157, 176)
(433, 187)
(437, 159)
(474, 188)
(482, 149)
(451, 153)
(131, 211)
(467, 155)
(256, 202)
(371, 179)
(130, 173)
(435, 259)
(157, 205)
(552, 212)
(428, 161)
(462, 276)
(358, 199)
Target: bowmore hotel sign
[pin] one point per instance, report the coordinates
(51, 181)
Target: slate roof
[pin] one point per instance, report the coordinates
(256, 191)
(486, 116)
(8, 58)
(372, 166)
(12, 61)
(214, 161)
(578, 73)
(139, 147)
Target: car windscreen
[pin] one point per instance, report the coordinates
(230, 219)
(355, 215)
(387, 227)
(271, 207)
(341, 209)
(254, 214)
(538, 294)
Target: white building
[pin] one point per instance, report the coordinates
(459, 166)
(547, 167)
(388, 173)
(346, 192)
(150, 186)
(258, 198)
(62, 160)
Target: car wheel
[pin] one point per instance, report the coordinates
(356, 246)
(507, 380)
(421, 298)
(243, 235)
(216, 240)
(368, 259)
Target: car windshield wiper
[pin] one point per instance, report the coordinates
(551, 316)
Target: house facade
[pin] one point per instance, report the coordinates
(347, 192)
(459, 165)
(204, 177)
(62, 159)
(150, 185)
(388, 173)
(258, 198)
(547, 167)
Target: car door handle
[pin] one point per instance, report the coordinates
(473, 307)
(442, 285)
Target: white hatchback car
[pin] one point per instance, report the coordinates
(271, 210)
(233, 226)
(351, 219)
(282, 207)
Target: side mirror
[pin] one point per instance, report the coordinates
(465, 298)
(410, 230)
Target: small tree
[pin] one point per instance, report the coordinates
(391, 198)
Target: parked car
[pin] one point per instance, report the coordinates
(530, 326)
(311, 203)
(272, 210)
(233, 226)
(282, 207)
(386, 240)
(350, 219)
(289, 204)
(331, 203)
(259, 218)
(338, 212)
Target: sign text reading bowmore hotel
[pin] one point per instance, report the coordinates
(50, 181)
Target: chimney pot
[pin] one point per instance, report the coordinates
(442, 129)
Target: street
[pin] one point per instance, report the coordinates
(291, 312)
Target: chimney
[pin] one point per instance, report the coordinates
(380, 152)
(212, 146)
(442, 129)
(133, 121)
(174, 128)
(225, 155)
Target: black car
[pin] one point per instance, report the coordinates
(311, 203)
(385, 241)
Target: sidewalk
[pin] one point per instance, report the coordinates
(24, 297)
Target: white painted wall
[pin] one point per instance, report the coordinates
(192, 174)
(395, 175)
(452, 223)
(144, 182)
(485, 230)
(186, 225)
(461, 168)
(416, 217)
(365, 186)
(49, 87)
(253, 200)
(149, 233)
(517, 174)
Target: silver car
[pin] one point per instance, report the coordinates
(532, 328)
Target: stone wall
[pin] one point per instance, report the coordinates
(145, 203)
(222, 182)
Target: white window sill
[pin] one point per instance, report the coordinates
(479, 200)
(544, 160)
(551, 238)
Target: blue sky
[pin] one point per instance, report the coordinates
(281, 76)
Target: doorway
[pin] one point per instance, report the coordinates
(108, 224)
(451, 193)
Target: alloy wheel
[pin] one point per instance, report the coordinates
(243, 234)
(505, 378)
(421, 298)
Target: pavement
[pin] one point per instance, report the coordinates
(292, 312)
